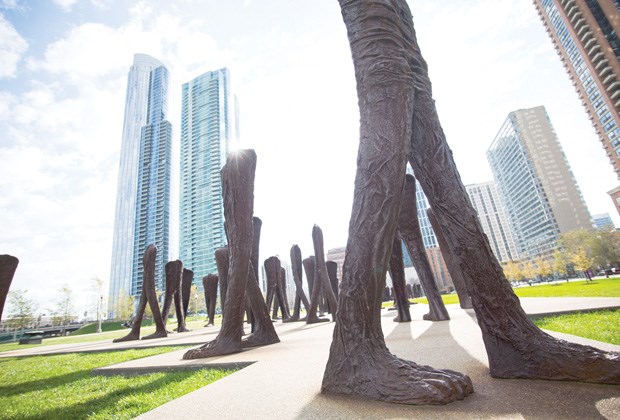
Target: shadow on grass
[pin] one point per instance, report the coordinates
(95, 406)
(47, 383)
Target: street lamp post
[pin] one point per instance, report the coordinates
(99, 305)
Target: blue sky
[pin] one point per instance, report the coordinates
(63, 69)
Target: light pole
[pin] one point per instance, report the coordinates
(196, 304)
(99, 305)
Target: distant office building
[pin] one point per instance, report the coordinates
(490, 209)
(143, 178)
(603, 221)
(535, 183)
(207, 125)
(585, 35)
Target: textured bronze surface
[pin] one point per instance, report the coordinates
(221, 261)
(238, 193)
(321, 278)
(332, 272)
(148, 295)
(381, 37)
(300, 295)
(452, 264)
(186, 289)
(174, 275)
(397, 273)
(209, 284)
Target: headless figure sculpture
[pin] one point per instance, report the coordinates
(148, 295)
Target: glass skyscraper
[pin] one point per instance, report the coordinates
(535, 183)
(486, 201)
(585, 35)
(143, 202)
(207, 126)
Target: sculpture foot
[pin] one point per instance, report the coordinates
(257, 339)
(385, 377)
(399, 319)
(210, 324)
(128, 337)
(542, 356)
(291, 319)
(315, 320)
(182, 329)
(213, 348)
(156, 334)
(434, 317)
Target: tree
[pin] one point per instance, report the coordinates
(529, 270)
(513, 271)
(543, 267)
(125, 306)
(21, 312)
(64, 305)
(560, 263)
(581, 260)
(606, 247)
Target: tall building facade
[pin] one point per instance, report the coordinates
(585, 35)
(208, 122)
(490, 209)
(145, 97)
(535, 183)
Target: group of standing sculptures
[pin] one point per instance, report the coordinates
(399, 124)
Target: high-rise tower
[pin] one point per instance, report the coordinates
(535, 182)
(207, 125)
(486, 201)
(144, 128)
(585, 35)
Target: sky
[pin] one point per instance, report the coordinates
(63, 75)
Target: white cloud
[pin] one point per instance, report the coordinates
(66, 5)
(12, 48)
(9, 4)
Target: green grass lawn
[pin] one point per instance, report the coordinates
(600, 325)
(597, 288)
(61, 386)
(110, 335)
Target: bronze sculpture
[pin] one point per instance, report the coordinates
(454, 269)
(238, 192)
(148, 295)
(209, 284)
(174, 274)
(381, 39)
(186, 288)
(300, 296)
(409, 228)
(397, 273)
(8, 265)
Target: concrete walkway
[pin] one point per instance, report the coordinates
(283, 380)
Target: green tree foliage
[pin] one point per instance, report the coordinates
(513, 271)
(125, 306)
(543, 267)
(21, 310)
(64, 311)
(560, 263)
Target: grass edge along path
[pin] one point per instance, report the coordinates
(61, 386)
(596, 325)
